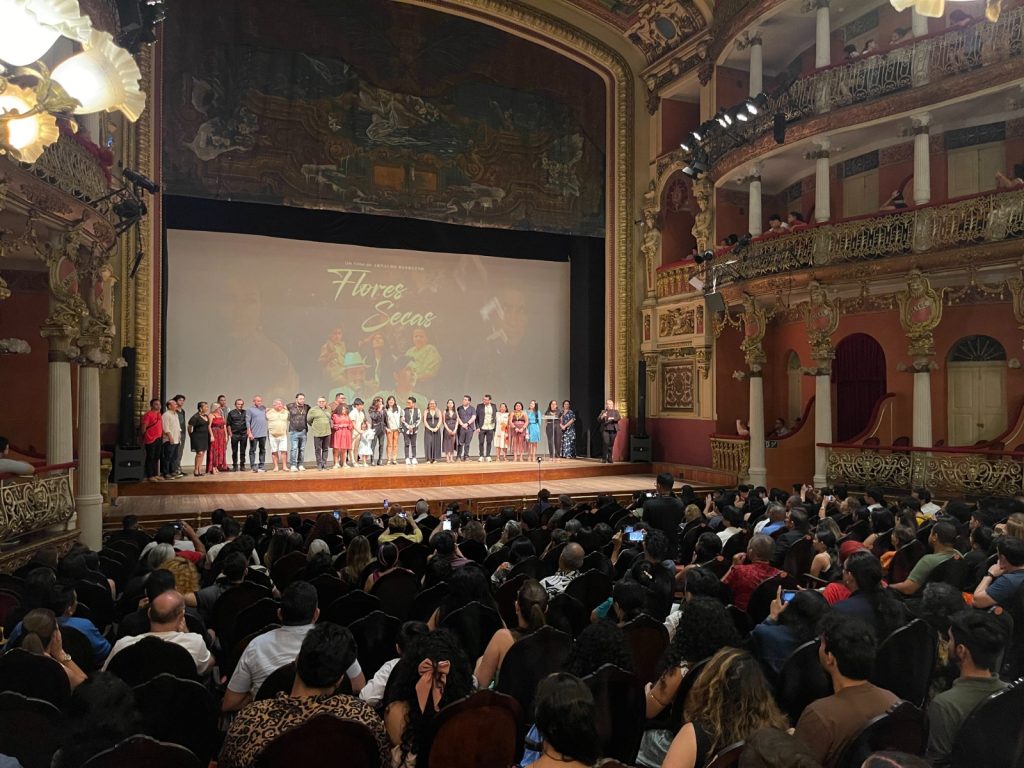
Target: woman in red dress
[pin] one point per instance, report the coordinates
(517, 432)
(341, 437)
(217, 459)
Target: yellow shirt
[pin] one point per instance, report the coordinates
(277, 422)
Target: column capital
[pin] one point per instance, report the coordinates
(748, 39)
(920, 122)
(813, 6)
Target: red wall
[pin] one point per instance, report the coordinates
(731, 86)
(732, 397)
(678, 118)
(681, 441)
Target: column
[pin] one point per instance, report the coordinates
(922, 432)
(89, 501)
(756, 66)
(918, 23)
(822, 423)
(758, 471)
(754, 225)
(822, 187)
(59, 415)
(822, 36)
(922, 164)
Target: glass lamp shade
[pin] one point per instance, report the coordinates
(102, 77)
(23, 39)
(28, 136)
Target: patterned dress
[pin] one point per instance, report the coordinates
(568, 435)
(217, 457)
(517, 436)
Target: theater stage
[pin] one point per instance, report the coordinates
(487, 484)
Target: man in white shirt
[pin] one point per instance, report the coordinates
(172, 438)
(874, 498)
(929, 508)
(11, 466)
(167, 622)
(373, 691)
(272, 650)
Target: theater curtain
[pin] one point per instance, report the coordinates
(859, 376)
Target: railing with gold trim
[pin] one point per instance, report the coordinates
(731, 454)
(984, 218)
(673, 279)
(912, 64)
(33, 503)
(70, 167)
(946, 471)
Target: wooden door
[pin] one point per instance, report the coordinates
(976, 395)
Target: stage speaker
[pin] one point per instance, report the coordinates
(128, 465)
(127, 434)
(714, 302)
(639, 448)
(641, 398)
(779, 128)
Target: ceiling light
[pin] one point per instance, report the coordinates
(102, 77)
(26, 136)
(31, 27)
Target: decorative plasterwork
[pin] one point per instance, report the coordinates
(662, 26)
(821, 316)
(920, 314)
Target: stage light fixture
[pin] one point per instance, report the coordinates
(704, 258)
(688, 170)
(756, 103)
(696, 135)
(721, 121)
(742, 116)
(684, 146)
(728, 119)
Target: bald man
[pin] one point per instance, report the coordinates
(167, 622)
(569, 564)
(277, 434)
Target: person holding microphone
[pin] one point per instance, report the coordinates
(609, 422)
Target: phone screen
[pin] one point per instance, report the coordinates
(337, 515)
(628, 529)
(787, 595)
(386, 504)
(636, 535)
(446, 525)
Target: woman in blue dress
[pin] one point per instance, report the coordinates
(568, 431)
(532, 430)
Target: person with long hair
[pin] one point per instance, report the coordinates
(41, 636)
(566, 723)
(432, 673)
(531, 604)
(432, 425)
(199, 436)
(468, 584)
(825, 564)
(341, 437)
(788, 626)
(357, 558)
(501, 432)
(729, 701)
(869, 600)
(599, 644)
(393, 425)
(517, 437)
(450, 430)
(567, 426)
(100, 714)
(553, 429)
(533, 429)
(387, 562)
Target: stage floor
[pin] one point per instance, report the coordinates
(364, 487)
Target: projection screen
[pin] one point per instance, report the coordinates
(250, 315)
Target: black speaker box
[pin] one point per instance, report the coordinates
(641, 398)
(128, 464)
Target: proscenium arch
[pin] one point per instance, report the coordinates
(550, 31)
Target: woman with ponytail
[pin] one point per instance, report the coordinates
(531, 606)
(41, 636)
(387, 562)
(869, 599)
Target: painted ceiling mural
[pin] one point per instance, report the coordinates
(656, 27)
(380, 108)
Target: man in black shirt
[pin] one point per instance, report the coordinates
(239, 434)
(798, 523)
(665, 512)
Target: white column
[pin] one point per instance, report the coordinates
(756, 66)
(822, 36)
(822, 189)
(59, 418)
(922, 433)
(822, 424)
(754, 225)
(918, 23)
(758, 472)
(922, 164)
(89, 501)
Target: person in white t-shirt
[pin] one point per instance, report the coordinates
(167, 622)
(929, 508)
(12, 466)
(172, 438)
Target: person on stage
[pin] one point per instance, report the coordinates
(378, 429)
(393, 425)
(199, 436)
(467, 426)
(553, 429)
(341, 439)
(533, 431)
(152, 430)
(486, 416)
(180, 400)
(568, 431)
(359, 425)
(609, 421)
(518, 434)
(297, 428)
(450, 432)
(434, 424)
(411, 418)
(501, 432)
(236, 423)
(364, 449)
(171, 439)
(277, 436)
(256, 426)
(217, 459)
(319, 421)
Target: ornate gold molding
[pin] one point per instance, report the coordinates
(920, 314)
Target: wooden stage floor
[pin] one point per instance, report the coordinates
(369, 487)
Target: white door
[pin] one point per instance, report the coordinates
(972, 170)
(860, 194)
(977, 401)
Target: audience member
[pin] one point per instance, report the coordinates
(1003, 580)
(664, 511)
(387, 562)
(788, 626)
(41, 636)
(101, 713)
(167, 622)
(357, 559)
(566, 723)
(942, 540)
(868, 600)
(775, 521)
(232, 574)
(373, 692)
(63, 602)
(531, 604)
(749, 569)
(569, 563)
(399, 526)
(798, 527)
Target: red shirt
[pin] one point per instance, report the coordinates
(743, 580)
(152, 427)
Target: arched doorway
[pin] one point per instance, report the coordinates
(859, 376)
(975, 390)
(794, 393)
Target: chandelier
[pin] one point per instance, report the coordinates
(937, 8)
(100, 77)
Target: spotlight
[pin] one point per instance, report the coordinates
(742, 116)
(704, 258)
(688, 170)
(140, 180)
(684, 146)
(728, 119)
(695, 135)
(721, 121)
(756, 103)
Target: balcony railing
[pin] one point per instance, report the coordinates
(731, 454)
(30, 504)
(945, 471)
(983, 218)
(70, 167)
(673, 279)
(915, 63)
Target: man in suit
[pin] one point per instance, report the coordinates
(665, 512)
(411, 418)
(486, 420)
(609, 421)
(467, 426)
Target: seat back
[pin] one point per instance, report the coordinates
(329, 588)
(598, 561)
(734, 545)
(505, 597)
(802, 680)
(375, 640)
(760, 603)
(181, 712)
(350, 608)
(150, 657)
(38, 677)
(953, 571)
(905, 661)
(993, 734)
(902, 729)
(250, 619)
(619, 702)
(528, 662)
(727, 757)
(307, 744)
(29, 729)
(414, 557)
(142, 750)
(428, 601)
(397, 592)
(474, 550)
(567, 614)
(231, 602)
(483, 729)
(100, 602)
(549, 562)
(531, 566)
(904, 560)
(647, 639)
(474, 625)
(78, 647)
(284, 569)
(280, 680)
(539, 537)
(689, 541)
(591, 588)
(676, 713)
(798, 558)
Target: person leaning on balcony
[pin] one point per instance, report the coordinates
(776, 226)
(1005, 182)
(896, 202)
(12, 466)
(796, 220)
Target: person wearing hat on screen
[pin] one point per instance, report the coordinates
(354, 384)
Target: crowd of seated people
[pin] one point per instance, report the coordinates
(710, 611)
